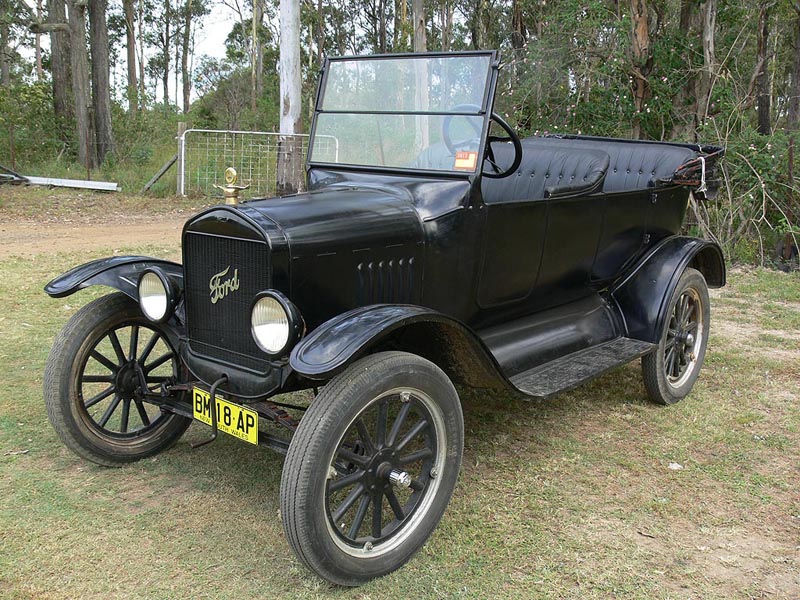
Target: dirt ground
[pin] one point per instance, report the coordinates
(26, 238)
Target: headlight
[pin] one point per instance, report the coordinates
(275, 323)
(156, 295)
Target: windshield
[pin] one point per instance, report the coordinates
(411, 112)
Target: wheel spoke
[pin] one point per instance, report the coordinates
(395, 504)
(95, 354)
(347, 480)
(157, 363)
(415, 456)
(97, 379)
(358, 459)
(361, 512)
(142, 412)
(110, 410)
(415, 430)
(363, 433)
(134, 342)
(692, 327)
(126, 411)
(417, 485)
(349, 500)
(380, 437)
(149, 347)
(112, 336)
(99, 397)
(377, 515)
(398, 423)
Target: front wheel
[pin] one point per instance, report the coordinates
(669, 372)
(102, 367)
(372, 467)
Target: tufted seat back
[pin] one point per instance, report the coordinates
(546, 171)
(632, 165)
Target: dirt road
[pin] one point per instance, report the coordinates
(26, 238)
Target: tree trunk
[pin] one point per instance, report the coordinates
(519, 33)
(63, 103)
(142, 91)
(685, 101)
(290, 155)
(101, 88)
(5, 53)
(79, 60)
(186, 77)
(256, 54)
(762, 80)
(39, 70)
(642, 61)
(420, 36)
(794, 94)
(447, 25)
(130, 46)
(709, 18)
(166, 38)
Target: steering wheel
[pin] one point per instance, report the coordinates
(511, 136)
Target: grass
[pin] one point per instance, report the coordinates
(572, 498)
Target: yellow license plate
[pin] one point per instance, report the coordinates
(233, 419)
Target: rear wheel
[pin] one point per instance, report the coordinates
(102, 365)
(670, 371)
(372, 467)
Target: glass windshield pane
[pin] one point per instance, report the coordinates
(422, 112)
(424, 84)
(400, 141)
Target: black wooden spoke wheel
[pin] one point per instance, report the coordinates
(372, 467)
(102, 366)
(671, 370)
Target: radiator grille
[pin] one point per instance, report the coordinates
(221, 329)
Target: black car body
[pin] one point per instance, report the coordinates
(548, 262)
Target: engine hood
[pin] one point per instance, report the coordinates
(340, 219)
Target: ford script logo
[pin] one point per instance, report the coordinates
(221, 287)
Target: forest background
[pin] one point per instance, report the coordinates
(102, 84)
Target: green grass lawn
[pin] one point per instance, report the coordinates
(571, 498)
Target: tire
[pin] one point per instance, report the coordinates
(92, 384)
(338, 449)
(669, 372)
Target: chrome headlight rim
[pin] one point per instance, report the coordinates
(169, 294)
(293, 318)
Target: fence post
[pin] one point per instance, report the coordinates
(181, 131)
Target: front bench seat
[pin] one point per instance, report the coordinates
(546, 171)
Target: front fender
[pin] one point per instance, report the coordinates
(643, 295)
(335, 344)
(119, 272)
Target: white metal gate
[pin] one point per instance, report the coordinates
(204, 155)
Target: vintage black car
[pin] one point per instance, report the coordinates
(427, 254)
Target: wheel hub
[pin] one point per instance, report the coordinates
(127, 379)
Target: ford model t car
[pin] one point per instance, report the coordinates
(428, 254)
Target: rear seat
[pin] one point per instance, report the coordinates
(546, 171)
(632, 166)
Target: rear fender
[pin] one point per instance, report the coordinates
(448, 343)
(643, 295)
(119, 272)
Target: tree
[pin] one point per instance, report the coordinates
(79, 61)
(642, 61)
(101, 87)
(290, 154)
(130, 47)
(762, 78)
(793, 119)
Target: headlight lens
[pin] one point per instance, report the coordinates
(270, 324)
(153, 296)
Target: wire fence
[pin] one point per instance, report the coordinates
(258, 157)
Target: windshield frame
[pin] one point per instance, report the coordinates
(486, 108)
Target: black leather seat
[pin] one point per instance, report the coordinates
(633, 165)
(545, 171)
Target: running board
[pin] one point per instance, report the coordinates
(574, 369)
